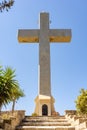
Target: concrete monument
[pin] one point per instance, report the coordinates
(44, 35)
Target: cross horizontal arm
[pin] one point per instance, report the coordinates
(60, 35)
(28, 35)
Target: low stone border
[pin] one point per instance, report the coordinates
(80, 122)
(12, 120)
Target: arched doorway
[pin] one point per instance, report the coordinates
(44, 110)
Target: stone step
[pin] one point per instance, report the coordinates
(45, 124)
(46, 120)
(45, 117)
(45, 128)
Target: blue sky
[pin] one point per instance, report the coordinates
(68, 61)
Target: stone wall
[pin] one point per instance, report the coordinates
(78, 121)
(11, 120)
(70, 112)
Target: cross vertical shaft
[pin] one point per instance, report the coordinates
(44, 56)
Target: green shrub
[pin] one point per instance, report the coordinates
(34, 114)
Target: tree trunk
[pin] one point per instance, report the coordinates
(13, 105)
(0, 108)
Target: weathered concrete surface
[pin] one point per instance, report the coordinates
(44, 36)
(45, 123)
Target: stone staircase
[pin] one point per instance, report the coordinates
(45, 123)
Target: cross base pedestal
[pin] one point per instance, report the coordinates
(44, 105)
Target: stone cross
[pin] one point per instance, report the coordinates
(44, 36)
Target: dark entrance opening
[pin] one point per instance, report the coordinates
(44, 110)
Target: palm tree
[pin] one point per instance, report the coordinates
(17, 93)
(4, 89)
(9, 87)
